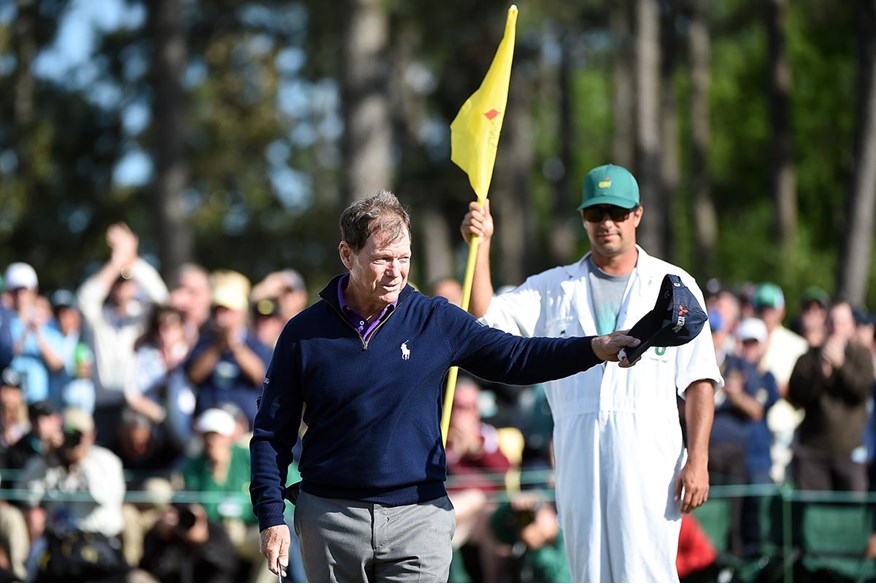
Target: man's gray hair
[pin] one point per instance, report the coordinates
(380, 212)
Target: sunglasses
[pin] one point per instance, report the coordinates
(596, 214)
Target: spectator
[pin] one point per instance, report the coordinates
(144, 449)
(811, 322)
(865, 330)
(75, 501)
(223, 467)
(141, 514)
(267, 322)
(185, 546)
(527, 524)
(726, 304)
(36, 345)
(44, 437)
(14, 537)
(14, 423)
(449, 288)
(6, 314)
(242, 433)
(288, 288)
(275, 299)
(115, 303)
(161, 391)
(739, 450)
(476, 468)
(228, 364)
(73, 386)
(192, 296)
(14, 543)
(832, 384)
(783, 348)
(763, 387)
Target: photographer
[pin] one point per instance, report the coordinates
(527, 523)
(185, 546)
(75, 506)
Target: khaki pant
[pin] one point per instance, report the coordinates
(245, 538)
(14, 538)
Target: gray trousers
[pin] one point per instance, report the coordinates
(352, 541)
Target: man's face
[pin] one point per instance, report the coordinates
(217, 446)
(841, 321)
(23, 299)
(379, 271)
(611, 229)
(69, 319)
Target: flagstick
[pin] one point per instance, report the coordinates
(474, 137)
(452, 372)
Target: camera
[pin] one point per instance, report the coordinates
(72, 439)
(507, 522)
(187, 517)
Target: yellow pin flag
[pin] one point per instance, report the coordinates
(474, 133)
(474, 139)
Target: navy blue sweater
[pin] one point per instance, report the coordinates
(373, 408)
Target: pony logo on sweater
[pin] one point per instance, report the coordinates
(406, 353)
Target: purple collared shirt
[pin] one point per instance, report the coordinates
(358, 321)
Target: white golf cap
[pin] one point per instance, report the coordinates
(752, 329)
(216, 420)
(20, 275)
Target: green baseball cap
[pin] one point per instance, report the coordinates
(815, 294)
(768, 295)
(610, 184)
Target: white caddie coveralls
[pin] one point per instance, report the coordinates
(617, 437)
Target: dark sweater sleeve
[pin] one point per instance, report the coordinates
(275, 432)
(499, 356)
(855, 378)
(806, 382)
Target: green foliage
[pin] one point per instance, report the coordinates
(263, 131)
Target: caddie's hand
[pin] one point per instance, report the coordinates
(274, 545)
(477, 221)
(692, 486)
(608, 347)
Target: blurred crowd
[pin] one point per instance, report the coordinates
(124, 393)
(120, 396)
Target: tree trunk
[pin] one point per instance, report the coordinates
(782, 177)
(705, 216)
(858, 241)
(670, 164)
(566, 223)
(169, 131)
(368, 129)
(436, 246)
(512, 177)
(648, 126)
(20, 193)
(623, 84)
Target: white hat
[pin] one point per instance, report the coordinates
(216, 420)
(20, 275)
(752, 329)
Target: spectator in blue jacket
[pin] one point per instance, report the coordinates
(365, 366)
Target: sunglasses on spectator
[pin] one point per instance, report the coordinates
(597, 213)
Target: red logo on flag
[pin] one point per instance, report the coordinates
(491, 114)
